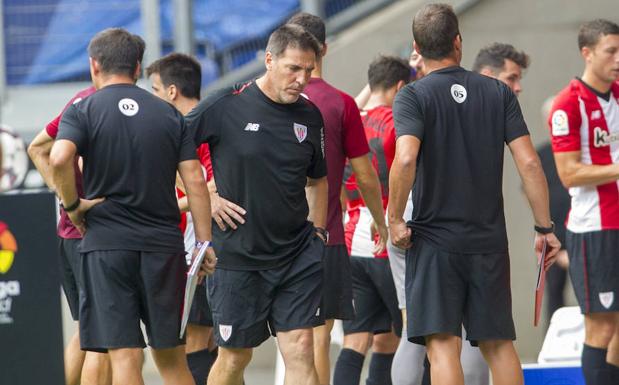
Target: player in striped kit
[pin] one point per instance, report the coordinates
(377, 319)
(584, 126)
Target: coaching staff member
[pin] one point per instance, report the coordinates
(133, 265)
(267, 145)
(584, 125)
(451, 128)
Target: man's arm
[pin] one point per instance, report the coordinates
(536, 189)
(61, 160)
(369, 188)
(401, 179)
(316, 192)
(574, 173)
(39, 151)
(199, 205)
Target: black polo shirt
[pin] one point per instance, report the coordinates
(131, 142)
(463, 120)
(262, 154)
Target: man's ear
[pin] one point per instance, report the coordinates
(138, 72)
(323, 51)
(586, 52)
(399, 86)
(487, 72)
(268, 60)
(172, 92)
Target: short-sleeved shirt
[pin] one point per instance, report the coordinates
(65, 226)
(463, 120)
(345, 138)
(262, 153)
(380, 133)
(584, 120)
(131, 142)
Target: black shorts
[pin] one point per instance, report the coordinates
(375, 298)
(446, 290)
(200, 313)
(337, 283)
(249, 305)
(594, 269)
(70, 265)
(121, 287)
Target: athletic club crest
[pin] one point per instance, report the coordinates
(300, 131)
(225, 331)
(607, 299)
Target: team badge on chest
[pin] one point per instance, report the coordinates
(300, 131)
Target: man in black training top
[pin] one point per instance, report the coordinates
(451, 128)
(267, 146)
(133, 266)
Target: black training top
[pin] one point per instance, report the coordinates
(131, 142)
(463, 120)
(262, 153)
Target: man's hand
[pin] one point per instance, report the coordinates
(383, 235)
(77, 216)
(225, 213)
(400, 234)
(209, 263)
(552, 248)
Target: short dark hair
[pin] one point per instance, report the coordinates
(117, 51)
(494, 56)
(386, 71)
(292, 36)
(590, 32)
(181, 70)
(435, 26)
(311, 23)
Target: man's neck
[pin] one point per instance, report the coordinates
(114, 79)
(595, 82)
(435, 65)
(185, 105)
(317, 72)
(377, 99)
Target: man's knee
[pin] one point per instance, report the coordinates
(297, 347)
(359, 342)
(443, 345)
(385, 343)
(491, 348)
(600, 328)
(233, 360)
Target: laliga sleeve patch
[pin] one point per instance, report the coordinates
(560, 124)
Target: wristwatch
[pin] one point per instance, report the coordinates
(545, 230)
(198, 245)
(72, 207)
(323, 233)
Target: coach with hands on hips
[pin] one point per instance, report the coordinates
(133, 266)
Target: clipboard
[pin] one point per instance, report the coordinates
(190, 286)
(541, 283)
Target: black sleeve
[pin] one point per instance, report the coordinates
(515, 125)
(188, 146)
(72, 128)
(199, 124)
(408, 114)
(318, 167)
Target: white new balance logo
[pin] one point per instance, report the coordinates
(252, 127)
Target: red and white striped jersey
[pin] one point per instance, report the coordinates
(584, 120)
(380, 133)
